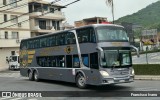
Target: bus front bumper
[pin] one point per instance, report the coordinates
(116, 80)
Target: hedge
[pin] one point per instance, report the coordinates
(147, 69)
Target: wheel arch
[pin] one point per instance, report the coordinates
(80, 72)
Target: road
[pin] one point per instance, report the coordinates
(12, 81)
(153, 58)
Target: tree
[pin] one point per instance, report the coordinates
(110, 3)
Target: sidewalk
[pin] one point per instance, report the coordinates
(147, 77)
(3, 69)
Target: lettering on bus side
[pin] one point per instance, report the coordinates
(46, 51)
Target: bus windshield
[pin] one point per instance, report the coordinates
(111, 34)
(116, 58)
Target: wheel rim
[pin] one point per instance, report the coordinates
(81, 81)
(30, 75)
(35, 76)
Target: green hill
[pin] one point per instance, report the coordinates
(148, 17)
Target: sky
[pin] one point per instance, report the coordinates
(98, 8)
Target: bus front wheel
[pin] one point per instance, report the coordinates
(30, 76)
(81, 81)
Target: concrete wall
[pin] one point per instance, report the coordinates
(5, 52)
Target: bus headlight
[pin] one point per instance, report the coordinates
(104, 73)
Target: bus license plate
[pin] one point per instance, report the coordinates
(121, 80)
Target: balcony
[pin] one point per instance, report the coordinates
(56, 15)
(43, 29)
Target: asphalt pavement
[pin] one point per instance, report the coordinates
(137, 77)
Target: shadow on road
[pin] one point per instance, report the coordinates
(116, 87)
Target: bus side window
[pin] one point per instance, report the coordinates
(85, 60)
(69, 61)
(92, 36)
(60, 61)
(94, 60)
(76, 63)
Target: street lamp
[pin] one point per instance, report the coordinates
(146, 54)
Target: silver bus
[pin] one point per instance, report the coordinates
(98, 54)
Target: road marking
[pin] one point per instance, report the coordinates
(12, 98)
(5, 98)
(147, 89)
(17, 99)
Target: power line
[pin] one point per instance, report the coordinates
(10, 3)
(14, 7)
(42, 14)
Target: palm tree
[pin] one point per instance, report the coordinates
(110, 3)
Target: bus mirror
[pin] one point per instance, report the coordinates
(137, 51)
(101, 52)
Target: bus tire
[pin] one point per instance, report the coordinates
(36, 77)
(81, 81)
(30, 75)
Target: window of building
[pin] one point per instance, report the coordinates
(4, 2)
(56, 24)
(52, 10)
(15, 35)
(13, 3)
(6, 35)
(5, 17)
(45, 7)
(14, 19)
(59, 9)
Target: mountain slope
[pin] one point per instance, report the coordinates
(148, 17)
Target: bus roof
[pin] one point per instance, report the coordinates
(92, 25)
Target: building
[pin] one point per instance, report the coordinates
(88, 21)
(149, 39)
(52, 18)
(10, 36)
(38, 17)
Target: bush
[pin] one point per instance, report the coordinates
(147, 69)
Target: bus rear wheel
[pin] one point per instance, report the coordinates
(81, 81)
(36, 77)
(30, 76)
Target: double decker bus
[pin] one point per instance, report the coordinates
(98, 54)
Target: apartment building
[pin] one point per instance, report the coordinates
(50, 22)
(93, 20)
(11, 32)
(44, 18)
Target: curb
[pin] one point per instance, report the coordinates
(146, 77)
